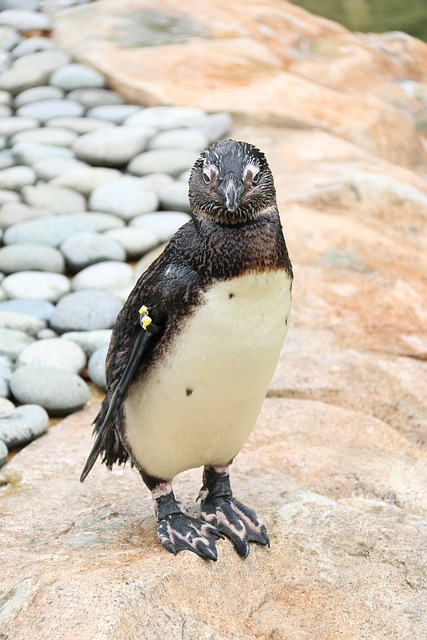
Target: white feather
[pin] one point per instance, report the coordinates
(199, 404)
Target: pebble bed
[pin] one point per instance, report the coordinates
(88, 184)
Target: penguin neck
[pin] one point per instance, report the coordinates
(230, 250)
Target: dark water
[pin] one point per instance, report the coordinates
(374, 15)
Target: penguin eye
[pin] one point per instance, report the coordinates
(251, 174)
(206, 177)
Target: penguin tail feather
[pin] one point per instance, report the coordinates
(107, 443)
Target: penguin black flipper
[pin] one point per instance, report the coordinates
(107, 419)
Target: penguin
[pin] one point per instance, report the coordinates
(194, 349)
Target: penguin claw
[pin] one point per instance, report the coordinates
(179, 532)
(235, 521)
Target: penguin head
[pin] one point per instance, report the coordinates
(231, 183)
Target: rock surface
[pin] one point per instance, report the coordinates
(274, 64)
(337, 463)
(59, 391)
(328, 553)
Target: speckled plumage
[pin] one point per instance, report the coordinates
(235, 233)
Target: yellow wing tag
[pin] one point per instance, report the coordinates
(144, 319)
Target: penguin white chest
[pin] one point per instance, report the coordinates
(199, 403)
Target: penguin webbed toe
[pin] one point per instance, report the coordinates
(178, 531)
(230, 517)
(181, 532)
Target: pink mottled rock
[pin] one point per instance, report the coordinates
(270, 63)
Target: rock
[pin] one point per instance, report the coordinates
(55, 352)
(268, 85)
(103, 275)
(12, 342)
(37, 308)
(37, 94)
(5, 111)
(100, 221)
(45, 110)
(180, 138)
(87, 179)
(85, 311)
(4, 59)
(60, 392)
(47, 60)
(167, 117)
(34, 285)
(163, 224)
(324, 546)
(156, 180)
(46, 135)
(96, 367)
(13, 212)
(113, 147)
(84, 249)
(134, 240)
(405, 205)
(22, 322)
(6, 407)
(215, 125)
(3, 452)
(76, 76)
(23, 425)
(18, 79)
(52, 165)
(31, 152)
(6, 368)
(6, 159)
(113, 113)
(4, 387)
(91, 98)
(51, 231)
(78, 124)
(9, 38)
(320, 457)
(57, 199)
(46, 334)
(32, 45)
(125, 197)
(175, 197)
(11, 125)
(5, 98)
(29, 5)
(89, 341)
(27, 256)
(8, 196)
(17, 177)
(24, 20)
(172, 161)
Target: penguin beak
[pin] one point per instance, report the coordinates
(231, 188)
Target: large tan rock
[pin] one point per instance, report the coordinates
(270, 63)
(342, 495)
(337, 463)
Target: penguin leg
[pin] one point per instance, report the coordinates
(231, 518)
(177, 531)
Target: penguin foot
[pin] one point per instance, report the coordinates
(178, 531)
(229, 516)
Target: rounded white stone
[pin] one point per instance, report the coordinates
(36, 285)
(125, 197)
(55, 352)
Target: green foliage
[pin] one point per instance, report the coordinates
(374, 15)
